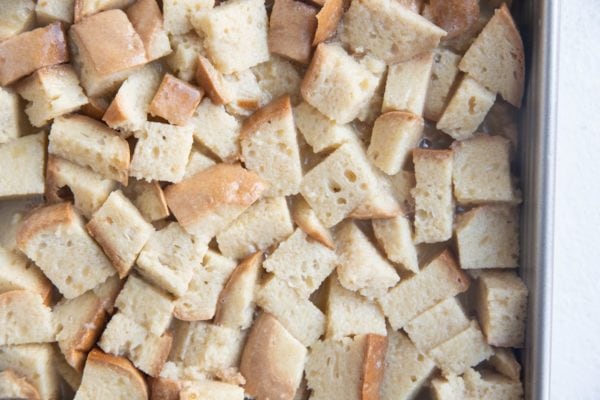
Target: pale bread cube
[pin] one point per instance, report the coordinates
(328, 19)
(450, 387)
(401, 185)
(247, 96)
(18, 273)
(178, 14)
(24, 318)
(272, 361)
(481, 171)
(147, 20)
(10, 116)
(213, 82)
(169, 258)
(36, 363)
(407, 83)
(292, 26)
(85, 8)
(149, 199)
(372, 109)
(496, 59)
(502, 307)
(434, 205)
(121, 231)
(406, 369)
(301, 262)
(211, 390)
(90, 144)
(175, 100)
(17, 16)
(54, 237)
(49, 11)
(306, 219)
(457, 17)
(15, 386)
(146, 305)
(492, 386)
(438, 280)
(380, 201)
(24, 157)
(236, 34)
(208, 280)
(443, 75)
(197, 162)
(395, 236)
(388, 30)
(466, 109)
(184, 58)
(298, 315)
(321, 133)
(349, 313)
(276, 78)
(217, 130)
(336, 84)
(505, 362)
(360, 266)
(264, 224)
(161, 152)
(394, 135)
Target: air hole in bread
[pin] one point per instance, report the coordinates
(341, 201)
(350, 175)
(472, 104)
(334, 187)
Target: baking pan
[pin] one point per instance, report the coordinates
(538, 22)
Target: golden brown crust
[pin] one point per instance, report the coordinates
(430, 154)
(43, 218)
(52, 188)
(454, 16)
(291, 30)
(164, 348)
(164, 389)
(115, 113)
(454, 273)
(277, 109)
(212, 81)
(86, 336)
(119, 365)
(373, 366)
(95, 108)
(328, 19)
(175, 100)
(147, 21)
(312, 72)
(373, 210)
(26, 389)
(315, 231)
(95, 229)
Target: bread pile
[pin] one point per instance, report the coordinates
(297, 200)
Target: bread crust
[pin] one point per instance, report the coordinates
(95, 108)
(454, 16)
(120, 366)
(164, 388)
(292, 27)
(314, 229)
(175, 100)
(277, 109)
(328, 20)
(212, 82)
(26, 389)
(373, 366)
(43, 218)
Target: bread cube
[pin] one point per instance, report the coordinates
(481, 170)
(395, 236)
(15, 386)
(106, 376)
(438, 280)
(208, 279)
(10, 116)
(450, 387)
(24, 318)
(55, 239)
(85, 8)
(443, 74)
(175, 100)
(298, 315)
(292, 26)
(276, 78)
(36, 363)
(183, 61)
(505, 362)
(406, 84)
(307, 220)
(336, 84)
(211, 390)
(401, 185)
(434, 205)
(169, 257)
(301, 262)
(28, 51)
(496, 58)
(321, 133)
(49, 11)
(328, 19)
(380, 202)
(213, 82)
(16, 17)
(104, 64)
(489, 385)
(361, 267)
(147, 20)
(247, 96)
(502, 308)
(149, 199)
(178, 14)
(390, 31)
(24, 157)
(466, 109)
(90, 144)
(405, 370)
(18, 273)
(270, 147)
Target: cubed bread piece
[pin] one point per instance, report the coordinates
(89, 189)
(321, 133)
(235, 308)
(128, 110)
(126, 338)
(149, 199)
(147, 21)
(505, 362)
(455, 16)
(380, 201)
(360, 266)
(175, 100)
(28, 51)
(298, 315)
(443, 75)
(24, 157)
(401, 185)
(51, 92)
(502, 307)
(198, 161)
(209, 201)
(440, 279)
(307, 220)
(18, 273)
(272, 361)
(85, 8)
(264, 224)
(481, 170)
(17, 16)
(438, 324)
(36, 363)
(292, 26)
(211, 390)
(178, 14)
(496, 59)
(336, 84)
(236, 34)
(488, 237)
(349, 313)
(161, 152)
(24, 318)
(169, 258)
(208, 279)
(109, 377)
(10, 116)
(54, 237)
(90, 144)
(464, 350)
(186, 49)
(406, 84)
(395, 236)
(450, 387)
(13, 386)
(301, 262)
(492, 386)
(213, 82)
(466, 109)
(394, 135)
(328, 18)
(278, 77)
(247, 96)
(390, 31)
(49, 11)
(434, 205)
(104, 64)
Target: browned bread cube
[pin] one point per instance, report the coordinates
(328, 18)
(454, 16)
(175, 100)
(147, 20)
(291, 30)
(213, 82)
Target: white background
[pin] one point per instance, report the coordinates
(576, 317)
